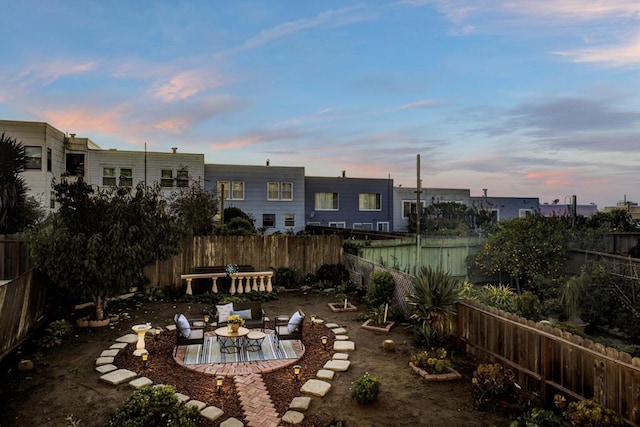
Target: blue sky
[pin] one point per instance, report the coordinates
(523, 97)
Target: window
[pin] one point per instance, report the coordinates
(279, 191)
(126, 177)
(314, 223)
(523, 213)
(166, 178)
(409, 207)
(233, 190)
(363, 226)
(74, 164)
(495, 215)
(268, 220)
(109, 176)
(286, 190)
(382, 226)
(338, 224)
(52, 200)
(369, 202)
(289, 220)
(48, 159)
(33, 157)
(182, 178)
(326, 201)
(273, 191)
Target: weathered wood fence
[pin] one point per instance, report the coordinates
(550, 360)
(304, 253)
(22, 304)
(14, 256)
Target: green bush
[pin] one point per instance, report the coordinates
(366, 388)
(540, 418)
(380, 290)
(154, 406)
(590, 413)
(492, 379)
(334, 274)
(527, 305)
(59, 328)
(433, 365)
(499, 296)
(286, 277)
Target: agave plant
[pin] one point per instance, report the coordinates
(434, 297)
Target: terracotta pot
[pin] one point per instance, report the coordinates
(235, 327)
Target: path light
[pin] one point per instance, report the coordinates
(313, 319)
(219, 380)
(324, 340)
(145, 357)
(296, 372)
(206, 319)
(157, 334)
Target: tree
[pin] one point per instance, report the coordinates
(525, 249)
(195, 209)
(13, 190)
(236, 223)
(97, 245)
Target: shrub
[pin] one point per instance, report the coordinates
(154, 406)
(380, 290)
(538, 417)
(59, 328)
(333, 273)
(499, 296)
(286, 277)
(492, 379)
(590, 413)
(527, 305)
(366, 388)
(433, 365)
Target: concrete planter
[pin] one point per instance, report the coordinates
(339, 307)
(370, 325)
(450, 376)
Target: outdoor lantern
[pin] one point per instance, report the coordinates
(313, 319)
(219, 380)
(206, 319)
(324, 340)
(157, 334)
(145, 357)
(296, 372)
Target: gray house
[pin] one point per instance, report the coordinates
(273, 195)
(356, 203)
(504, 208)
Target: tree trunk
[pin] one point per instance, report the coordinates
(101, 305)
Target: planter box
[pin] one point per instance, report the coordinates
(338, 307)
(450, 376)
(371, 326)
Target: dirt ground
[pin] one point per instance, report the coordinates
(65, 390)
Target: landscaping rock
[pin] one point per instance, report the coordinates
(293, 417)
(231, 422)
(342, 337)
(337, 365)
(140, 382)
(112, 352)
(118, 376)
(196, 404)
(325, 374)
(182, 397)
(103, 369)
(316, 388)
(344, 346)
(119, 345)
(129, 338)
(104, 361)
(211, 412)
(340, 356)
(300, 403)
(339, 331)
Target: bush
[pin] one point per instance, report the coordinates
(590, 413)
(527, 305)
(433, 365)
(286, 277)
(333, 273)
(366, 388)
(155, 406)
(492, 379)
(500, 296)
(380, 289)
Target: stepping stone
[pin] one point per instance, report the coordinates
(231, 422)
(339, 331)
(129, 338)
(292, 417)
(211, 412)
(118, 376)
(196, 404)
(112, 352)
(337, 365)
(332, 325)
(182, 397)
(325, 374)
(103, 369)
(344, 345)
(342, 337)
(170, 327)
(316, 387)
(318, 321)
(300, 403)
(104, 361)
(340, 356)
(140, 382)
(198, 323)
(119, 345)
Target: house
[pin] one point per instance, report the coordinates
(505, 208)
(273, 195)
(405, 201)
(356, 203)
(560, 210)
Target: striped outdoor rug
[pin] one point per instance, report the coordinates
(210, 352)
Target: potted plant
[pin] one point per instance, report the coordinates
(342, 303)
(435, 367)
(235, 322)
(377, 319)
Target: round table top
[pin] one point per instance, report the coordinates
(224, 332)
(256, 335)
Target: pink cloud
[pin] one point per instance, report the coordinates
(624, 54)
(83, 120)
(185, 85)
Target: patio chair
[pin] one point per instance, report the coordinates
(186, 333)
(291, 330)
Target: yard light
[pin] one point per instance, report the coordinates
(219, 380)
(313, 319)
(206, 319)
(145, 357)
(157, 334)
(324, 340)
(296, 372)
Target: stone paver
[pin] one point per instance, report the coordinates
(332, 325)
(300, 403)
(316, 387)
(112, 352)
(119, 345)
(140, 382)
(339, 331)
(129, 338)
(212, 413)
(231, 422)
(196, 404)
(118, 376)
(337, 365)
(325, 374)
(293, 417)
(342, 337)
(344, 345)
(182, 397)
(103, 369)
(340, 356)
(170, 327)
(104, 361)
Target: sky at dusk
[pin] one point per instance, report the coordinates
(526, 98)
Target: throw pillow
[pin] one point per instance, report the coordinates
(183, 325)
(224, 311)
(294, 322)
(244, 314)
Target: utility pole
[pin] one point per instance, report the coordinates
(221, 204)
(418, 215)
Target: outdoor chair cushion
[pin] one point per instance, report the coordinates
(183, 326)
(224, 311)
(244, 314)
(294, 322)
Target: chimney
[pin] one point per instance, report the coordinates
(267, 162)
(174, 149)
(72, 135)
(484, 190)
(344, 174)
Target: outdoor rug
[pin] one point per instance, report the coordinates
(209, 352)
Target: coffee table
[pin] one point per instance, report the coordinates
(231, 342)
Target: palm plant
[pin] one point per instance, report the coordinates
(13, 190)
(434, 297)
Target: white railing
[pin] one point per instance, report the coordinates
(240, 282)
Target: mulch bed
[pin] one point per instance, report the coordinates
(282, 386)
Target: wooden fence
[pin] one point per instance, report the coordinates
(304, 253)
(14, 256)
(22, 304)
(551, 361)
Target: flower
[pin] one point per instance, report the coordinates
(231, 269)
(234, 318)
